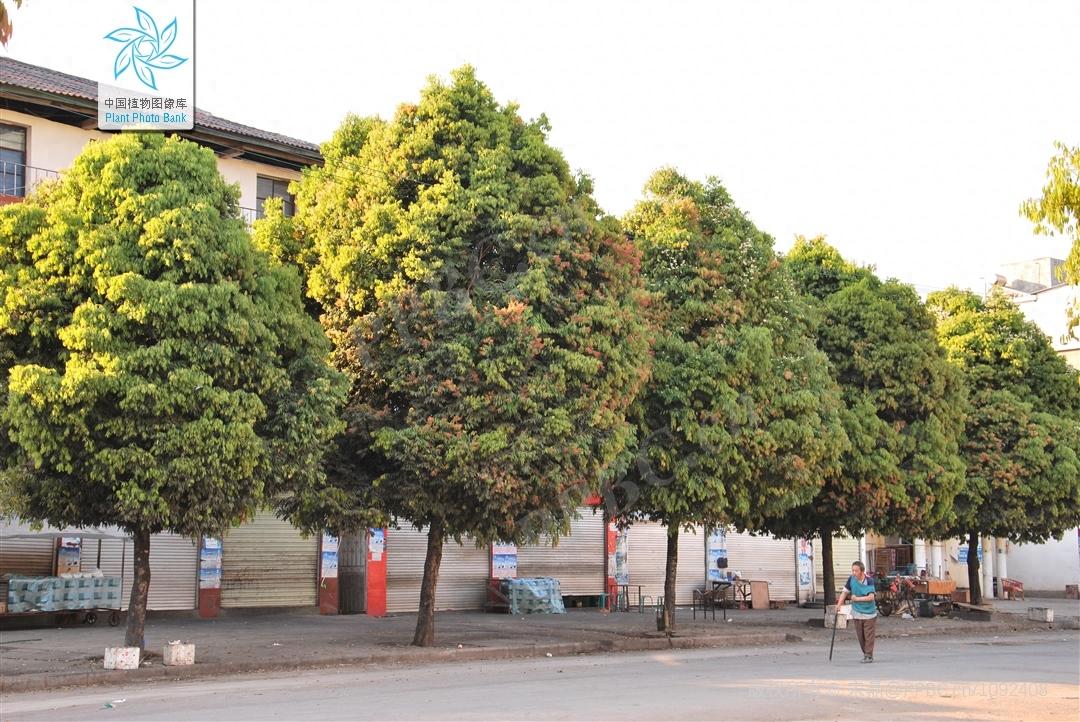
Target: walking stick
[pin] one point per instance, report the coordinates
(835, 618)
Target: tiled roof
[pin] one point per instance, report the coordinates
(35, 77)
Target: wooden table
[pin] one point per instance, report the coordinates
(740, 590)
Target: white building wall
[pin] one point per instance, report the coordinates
(1049, 310)
(51, 145)
(54, 146)
(1047, 568)
(244, 173)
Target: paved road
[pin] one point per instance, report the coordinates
(1014, 677)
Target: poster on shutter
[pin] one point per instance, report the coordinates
(622, 566)
(504, 561)
(67, 555)
(210, 564)
(328, 565)
(376, 544)
(718, 558)
(806, 563)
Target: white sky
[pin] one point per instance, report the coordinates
(907, 132)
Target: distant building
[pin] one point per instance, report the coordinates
(1038, 288)
(47, 118)
(1032, 276)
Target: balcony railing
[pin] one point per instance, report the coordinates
(18, 179)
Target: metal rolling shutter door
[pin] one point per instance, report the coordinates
(463, 575)
(406, 549)
(646, 557)
(173, 566)
(34, 557)
(173, 572)
(845, 551)
(691, 570)
(764, 558)
(463, 572)
(268, 563)
(578, 562)
(113, 552)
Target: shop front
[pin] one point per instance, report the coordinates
(268, 563)
(578, 561)
(463, 573)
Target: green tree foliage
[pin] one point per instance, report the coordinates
(1022, 438)
(162, 374)
(1058, 211)
(487, 315)
(740, 418)
(903, 403)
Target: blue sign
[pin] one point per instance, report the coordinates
(962, 556)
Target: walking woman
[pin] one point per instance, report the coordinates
(863, 608)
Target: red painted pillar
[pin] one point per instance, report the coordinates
(611, 588)
(328, 574)
(376, 572)
(209, 577)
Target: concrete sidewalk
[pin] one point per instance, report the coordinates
(237, 643)
(1063, 608)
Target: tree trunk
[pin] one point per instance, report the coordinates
(425, 618)
(667, 622)
(140, 589)
(974, 581)
(828, 573)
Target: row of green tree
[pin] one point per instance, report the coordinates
(450, 333)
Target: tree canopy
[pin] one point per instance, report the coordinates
(1058, 210)
(740, 418)
(1021, 440)
(162, 374)
(485, 311)
(903, 405)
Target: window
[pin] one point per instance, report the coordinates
(12, 160)
(266, 187)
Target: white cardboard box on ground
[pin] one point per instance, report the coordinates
(121, 658)
(178, 654)
(841, 622)
(1040, 614)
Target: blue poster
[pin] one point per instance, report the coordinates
(376, 544)
(804, 570)
(622, 567)
(717, 556)
(962, 555)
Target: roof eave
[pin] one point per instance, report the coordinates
(255, 149)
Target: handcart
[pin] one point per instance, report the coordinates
(917, 596)
(82, 597)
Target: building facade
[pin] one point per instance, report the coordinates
(48, 117)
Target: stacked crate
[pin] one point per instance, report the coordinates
(58, 594)
(538, 595)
